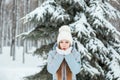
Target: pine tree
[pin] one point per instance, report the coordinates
(95, 37)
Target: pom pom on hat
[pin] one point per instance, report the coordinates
(65, 28)
(64, 34)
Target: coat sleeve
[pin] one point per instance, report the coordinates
(74, 62)
(53, 62)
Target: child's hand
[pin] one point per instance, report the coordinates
(64, 52)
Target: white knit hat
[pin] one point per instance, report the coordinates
(64, 33)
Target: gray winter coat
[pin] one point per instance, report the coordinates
(55, 59)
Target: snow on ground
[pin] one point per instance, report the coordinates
(16, 70)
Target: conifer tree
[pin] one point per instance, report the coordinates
(96, 39)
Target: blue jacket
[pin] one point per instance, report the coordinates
(55, 59)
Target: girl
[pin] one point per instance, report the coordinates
(64, 61)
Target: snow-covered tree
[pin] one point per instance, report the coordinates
(95, 37)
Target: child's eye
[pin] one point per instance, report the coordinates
(61, 42)
(66, 42)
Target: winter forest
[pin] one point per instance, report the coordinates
(33, 25)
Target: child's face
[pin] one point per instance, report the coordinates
(64, 44)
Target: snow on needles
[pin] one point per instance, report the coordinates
(49, 11)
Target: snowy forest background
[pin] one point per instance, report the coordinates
(12, 27)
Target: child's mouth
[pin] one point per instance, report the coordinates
(64, 48)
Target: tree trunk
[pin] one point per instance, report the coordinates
(0, 27)
(40, 2)
(13, 30)
(2, 23)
